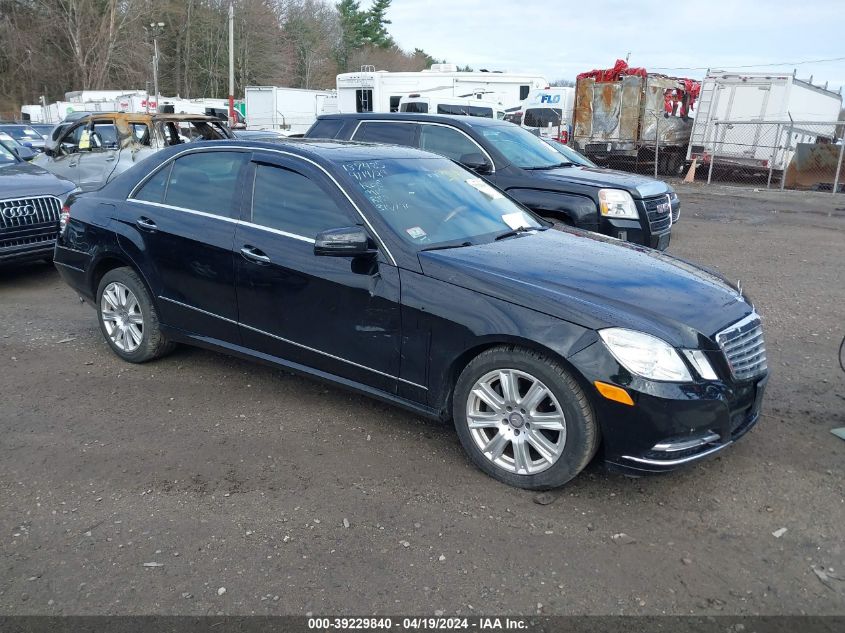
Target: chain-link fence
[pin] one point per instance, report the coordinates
(806, 155)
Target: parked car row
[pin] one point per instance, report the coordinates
(437, 263)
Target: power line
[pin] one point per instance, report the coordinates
(801, 63)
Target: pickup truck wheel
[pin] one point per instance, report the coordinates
(523, 419)
(128, 318)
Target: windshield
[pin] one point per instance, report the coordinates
(22, 132)
(569, 153)
(521, 147)
(433, 201)
(6, 157)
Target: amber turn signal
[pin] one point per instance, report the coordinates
(612, 392)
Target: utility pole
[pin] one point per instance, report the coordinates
(231, 63)
(156, 29)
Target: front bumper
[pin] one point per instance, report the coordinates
(633, 231)
(670, 425)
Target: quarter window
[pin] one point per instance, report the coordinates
(206, 181)
(446, 142)
(288, 201)
(382, 132)
(153, 189)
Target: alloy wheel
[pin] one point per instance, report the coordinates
(122, 317)
(516, 421)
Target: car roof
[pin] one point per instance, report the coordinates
(327, 150)
(456, 120)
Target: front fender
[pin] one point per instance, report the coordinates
(580, 210)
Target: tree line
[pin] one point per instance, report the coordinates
(49, 47)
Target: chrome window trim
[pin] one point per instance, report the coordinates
(284, 340)
(205, 214)
(451, 127)
(190, 150)
(214, 216)
(261, 227)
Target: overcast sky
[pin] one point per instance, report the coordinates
(560, 38)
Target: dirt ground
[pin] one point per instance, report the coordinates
(130, 489)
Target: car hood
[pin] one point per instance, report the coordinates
(637, 186)
(595, 282)
(25, 179)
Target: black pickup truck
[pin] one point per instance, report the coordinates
(625, 206)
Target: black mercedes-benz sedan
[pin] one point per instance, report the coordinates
(401, 275)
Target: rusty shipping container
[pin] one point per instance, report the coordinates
(617, 121)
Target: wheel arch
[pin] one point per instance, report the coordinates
(460, 362)
(109, 261)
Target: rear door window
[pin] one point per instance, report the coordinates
(207, 181)
(387, 132)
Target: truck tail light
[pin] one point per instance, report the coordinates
(563, 137)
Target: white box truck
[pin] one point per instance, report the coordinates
(794, 111)
(380, 91)
(292, 110)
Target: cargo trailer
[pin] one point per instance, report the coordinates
(756, 120)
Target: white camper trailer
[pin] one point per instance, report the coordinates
(380, 91)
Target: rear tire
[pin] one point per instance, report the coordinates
(128, 318)
(523, 419)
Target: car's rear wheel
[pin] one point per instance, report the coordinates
(524, 419)
(128, 317)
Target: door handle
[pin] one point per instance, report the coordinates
(110, 158)
(146, 224)
(254, 255)
(74, 163)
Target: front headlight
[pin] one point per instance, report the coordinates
(615, 203)
(645, 355)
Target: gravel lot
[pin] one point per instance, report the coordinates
(297, 497)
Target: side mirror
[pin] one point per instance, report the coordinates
(350, 241)
(476, 162)
(25, 153)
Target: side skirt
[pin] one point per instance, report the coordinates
(246, 353)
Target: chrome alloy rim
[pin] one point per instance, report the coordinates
(516, 421)
(122, 317)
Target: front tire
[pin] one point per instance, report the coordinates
(523, 419)
(128, 318)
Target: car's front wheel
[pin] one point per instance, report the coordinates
(523, 418)
(128, 317)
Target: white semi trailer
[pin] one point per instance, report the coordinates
(291, 110)
(755, 120)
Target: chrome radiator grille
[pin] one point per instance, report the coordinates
(744, 347)
(23, 212)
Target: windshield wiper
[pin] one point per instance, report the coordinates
(516, 231)
(551, 166)
(443, 247)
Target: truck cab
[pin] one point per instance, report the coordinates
(625, 206)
